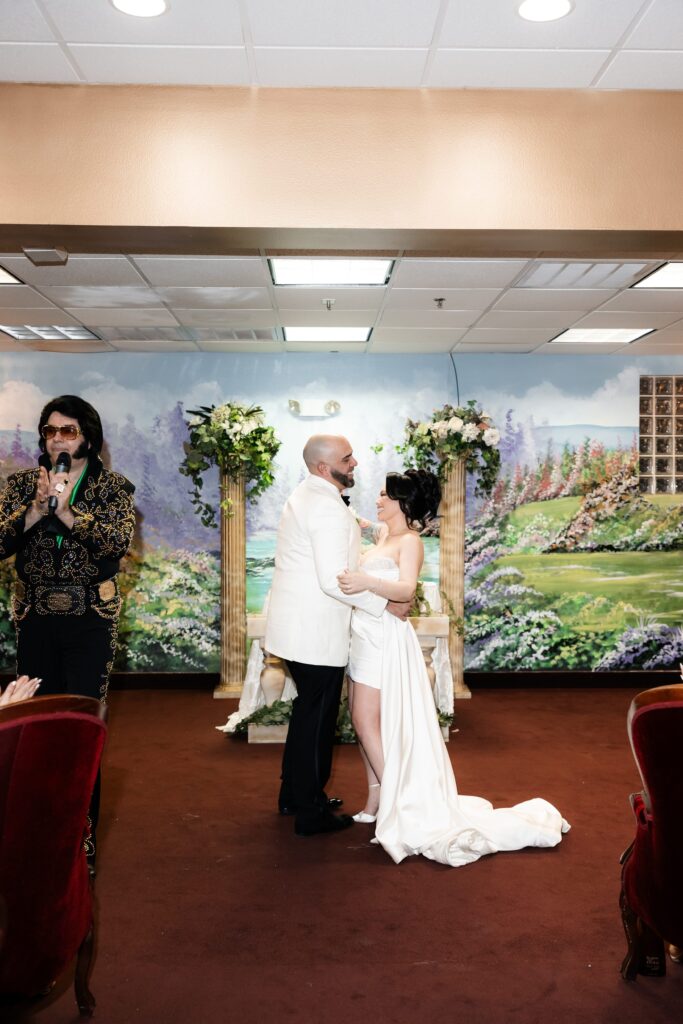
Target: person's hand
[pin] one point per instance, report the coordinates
(365, 524)
(680, 665)
(42, 492)
(399, 608)
(353, 582)
(60, 487)
(21, 689)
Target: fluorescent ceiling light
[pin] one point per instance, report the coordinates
(141, 8)
(600, 335)
(327, 333)
(544, 10)
(668, 276)
(52, 333)
(7, 278)
(326, 272)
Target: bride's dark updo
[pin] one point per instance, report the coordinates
(418, 494)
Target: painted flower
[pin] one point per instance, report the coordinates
(422, 429)
(455, 424)
(491, 436)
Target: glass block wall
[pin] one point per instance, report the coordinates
(661, 435)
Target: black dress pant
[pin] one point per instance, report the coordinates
(70, 654)
(307, 759)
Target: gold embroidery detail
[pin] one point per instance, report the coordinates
(107, 590)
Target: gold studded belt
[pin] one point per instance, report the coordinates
(67, 598)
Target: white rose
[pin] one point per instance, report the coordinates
(441, 429)
(491, 436)
(470, 432)
(455, 424)
(422, 428)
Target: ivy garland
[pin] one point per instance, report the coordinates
(235, 438)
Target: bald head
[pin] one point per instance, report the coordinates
(331, 457)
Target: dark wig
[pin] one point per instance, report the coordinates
(76, 409)
(417, 492)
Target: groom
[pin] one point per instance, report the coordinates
(308, 625)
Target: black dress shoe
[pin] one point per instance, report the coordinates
(333, 802)
(327, 823)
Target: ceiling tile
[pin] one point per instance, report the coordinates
(515, 69)
(455, 298)
(157, 334)
(231, 335)
(16, 316)
(213, 23)
(511, 318)
(22, 22)
(216, 298)
(318, 68)
(106, 270)
(202, 271)
(614, 318)
(160, 346)
(660, 28)
(520, 347)
(654, 348)
(554, 298)
(240, 346)
(119, 317)
(162, 65)
(648, 300)
(335, 318)
(35, 62)
(668, 336)
(325, 346)
(226, 317)
(20, 296)
(343, 22)
(440, 273)
(314, 298)
(426, 340)
(95, 296)
(429, 317)
(639, 69)
(591, 24)
(511, 336)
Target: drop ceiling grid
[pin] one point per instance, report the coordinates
(346, 43)
(506, 316)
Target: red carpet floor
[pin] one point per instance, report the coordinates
(211, 910)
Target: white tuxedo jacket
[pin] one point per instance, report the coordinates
(308, 617)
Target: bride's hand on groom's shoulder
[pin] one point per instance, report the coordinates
(353, 582)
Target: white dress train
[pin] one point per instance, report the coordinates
(420, 810)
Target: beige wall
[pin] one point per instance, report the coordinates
(344, 167)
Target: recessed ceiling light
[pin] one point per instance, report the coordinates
(27, 332)
(7, 278)
(296, 270)
(600, 335)
(327, 333)
(668, 276)
(141, 8)
(544, 10)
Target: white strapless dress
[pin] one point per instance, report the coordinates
(420, 810)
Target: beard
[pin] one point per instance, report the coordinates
(345, 479)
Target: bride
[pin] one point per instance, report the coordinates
(412, 794)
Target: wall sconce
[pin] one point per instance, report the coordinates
(313, 408)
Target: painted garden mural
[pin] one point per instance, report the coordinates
(568, 564)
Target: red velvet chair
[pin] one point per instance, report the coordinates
(50, 750)
(652, 874)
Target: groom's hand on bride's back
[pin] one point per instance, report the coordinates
(399, 608)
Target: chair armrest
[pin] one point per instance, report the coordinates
(641, 810)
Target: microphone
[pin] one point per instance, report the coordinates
(63, 466)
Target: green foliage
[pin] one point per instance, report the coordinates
(234, 438)
(453, 434)
(280, 712)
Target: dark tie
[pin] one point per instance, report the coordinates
(346, 498)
